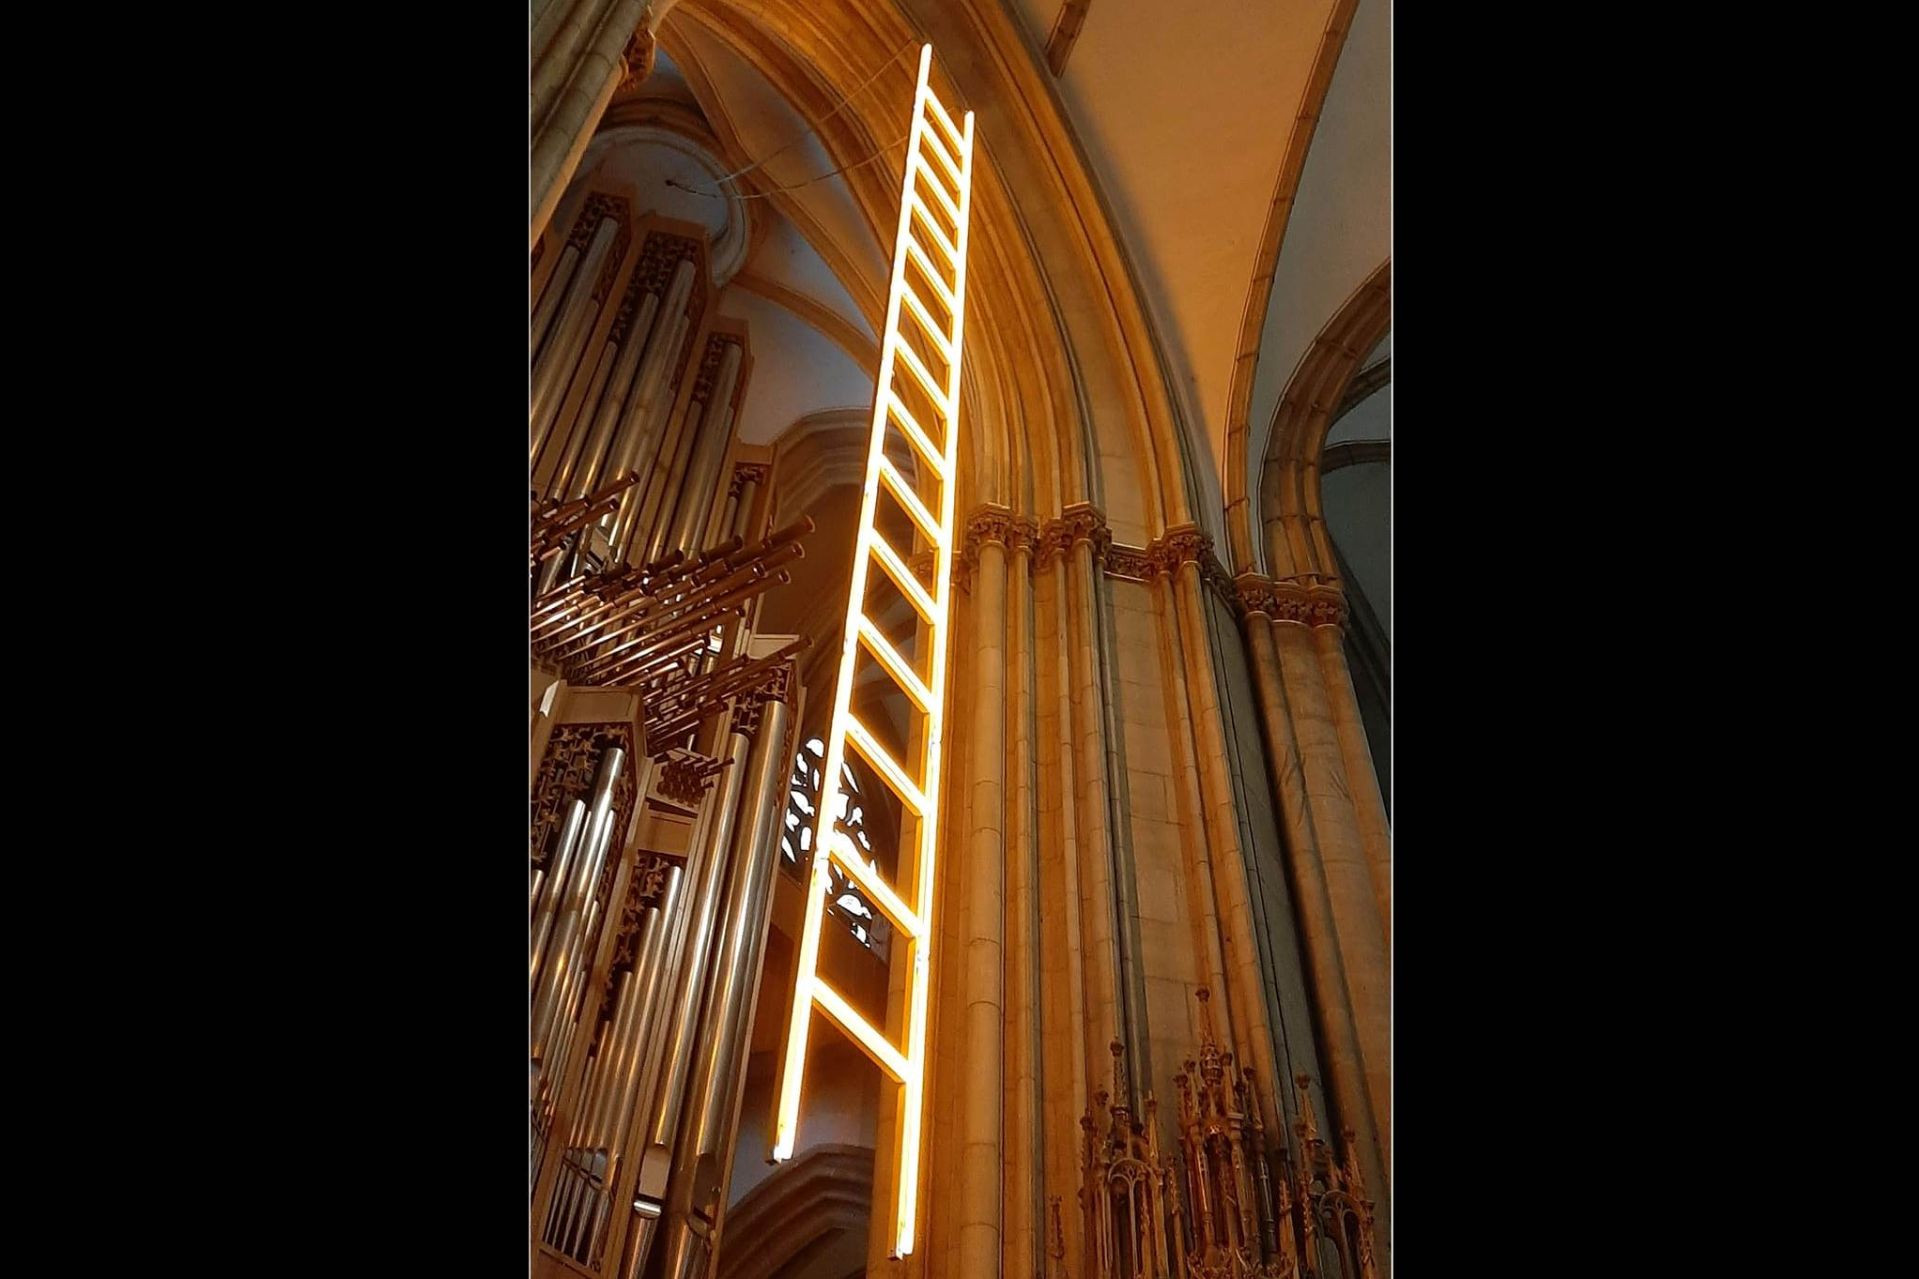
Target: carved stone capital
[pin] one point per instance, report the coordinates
(1133, 563)
(1080, 522)
(990, 525)
(1182, 544)
(1254, 594)
(1316, 605)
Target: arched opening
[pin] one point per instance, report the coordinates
(1355, 476)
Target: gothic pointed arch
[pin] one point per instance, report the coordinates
(1292, 525)
(785, 1223)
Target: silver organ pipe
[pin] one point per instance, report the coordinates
(556, 358)
(702, 1143)
(560, 862)
(556, 972)
(643, 968)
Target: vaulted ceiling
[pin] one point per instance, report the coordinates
(1191, 117)
(1240, 150)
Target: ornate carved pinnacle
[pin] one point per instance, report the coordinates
(1308, 1130)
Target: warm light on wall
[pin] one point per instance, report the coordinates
(921, 240)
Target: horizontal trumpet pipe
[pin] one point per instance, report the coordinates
(656, 608)
(733, 677)
(665, 660)
(620, 658)
(672, 629)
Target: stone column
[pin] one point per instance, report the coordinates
(1249, 1020)
(1198, 849)
(1368, 805)
(1024, 1160)
(1338, 1036)
(1080, 537)
(572, 79)
(1342, 854)
(980, 1152)
(1062, 953)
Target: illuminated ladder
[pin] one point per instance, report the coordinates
(939, 171)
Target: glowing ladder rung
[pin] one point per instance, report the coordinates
(928, 383)
(932, 327)
(930, 225)
(940, 153)
(936, 112)
(848, 858)
(903, 578)
(889, 657)
(889, 770)
(933, 278)
(903, 492)
(917, 434)
(938, 188)
(891, 1059)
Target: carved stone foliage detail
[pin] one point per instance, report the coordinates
(923, 563)
(567, 772)
(989, 524)
(1129, 562)
(1290, 601)
(1081, 522)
